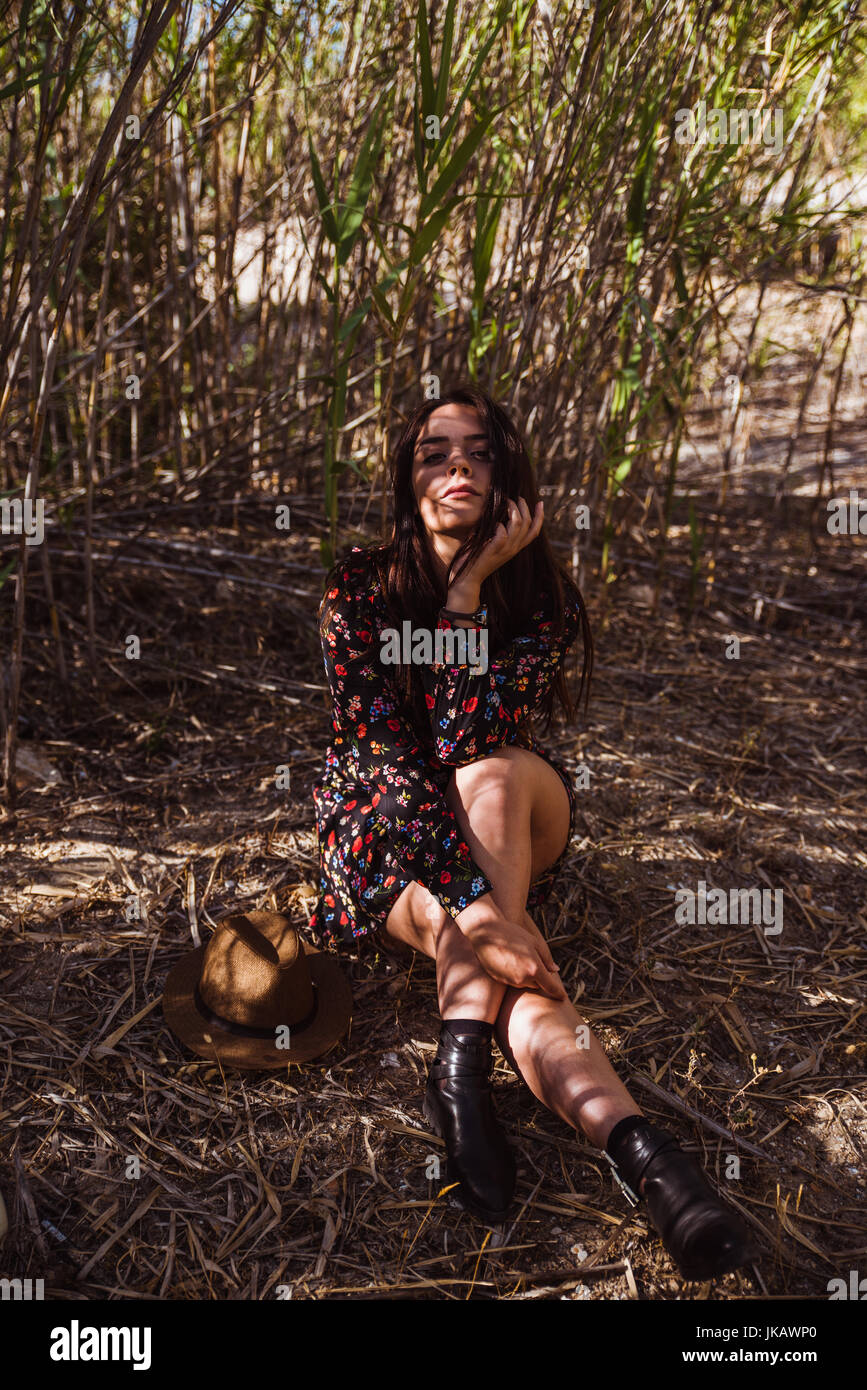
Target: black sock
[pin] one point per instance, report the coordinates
(457, 1026)
(620, 1131)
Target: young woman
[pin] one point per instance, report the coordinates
(443, 822)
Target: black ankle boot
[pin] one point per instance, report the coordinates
(703, 1234)
(459, 1108)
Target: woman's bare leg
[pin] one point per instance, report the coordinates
(507, 808)
(513, 812)
(554, 1050)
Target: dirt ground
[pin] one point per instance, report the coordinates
(742, 771)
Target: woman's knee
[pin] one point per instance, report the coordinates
(521, 1012)
(503, 778)
(417, 919)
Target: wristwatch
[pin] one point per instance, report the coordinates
(480, 617)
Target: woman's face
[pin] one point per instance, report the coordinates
(452, 452)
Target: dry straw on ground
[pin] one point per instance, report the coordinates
(744, 773)
(681, 332)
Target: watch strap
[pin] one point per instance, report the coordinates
(480, 615)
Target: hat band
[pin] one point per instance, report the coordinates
(244, 1030)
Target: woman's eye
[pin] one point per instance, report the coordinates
(484, 454)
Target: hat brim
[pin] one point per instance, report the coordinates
(334, 1011)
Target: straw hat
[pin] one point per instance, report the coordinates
(256, 996)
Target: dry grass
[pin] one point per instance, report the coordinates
(744, 773)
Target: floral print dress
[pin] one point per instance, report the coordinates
(381, 815)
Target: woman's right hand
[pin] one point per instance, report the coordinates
(522, 527)
(507, 951)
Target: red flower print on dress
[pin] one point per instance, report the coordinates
(375, 733)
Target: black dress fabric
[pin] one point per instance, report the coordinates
(381, 815)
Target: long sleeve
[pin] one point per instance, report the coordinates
(470, 714)
(376, 745)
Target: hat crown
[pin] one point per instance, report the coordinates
(255, 972)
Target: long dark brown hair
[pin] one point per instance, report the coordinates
(410, 586)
